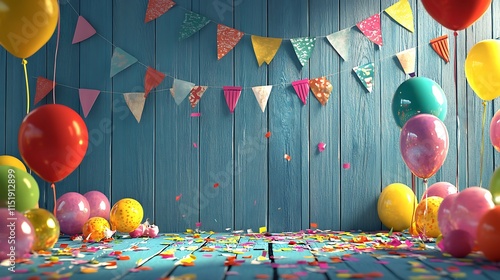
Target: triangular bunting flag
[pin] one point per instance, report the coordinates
(135, 102)
(152, 79)
(119, 61)
(232, 94)
(340, 42)
(402, 14)
(265, 48)
(370, 27)
(157, 8)
(227, 38)
(302, 89)
(365, 74)
(196, 94)
(192, 23)
(43, 87)
(303, 48)
(440, 46)
(262, 95)
(321, 88)
(407, 60)
(83, 30)
(180, 90)
(87, 99)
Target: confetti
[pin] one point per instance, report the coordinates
(268, 134)
(287, 157)
(346, 165)
(194, 115)
(262, 229)
(195, 145)
(321, 147)
(178, 197)
(216, 185)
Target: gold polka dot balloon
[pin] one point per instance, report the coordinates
(426, 216)
(126, 215)
(95, 229)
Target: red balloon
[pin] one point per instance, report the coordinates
(488, 234)
(53, 140)
(456, 15)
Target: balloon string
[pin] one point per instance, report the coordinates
(55, 58)
(413, 179)
(53, 186)
(426, 211)
(482, 146)
(457, 120)
(27, 86)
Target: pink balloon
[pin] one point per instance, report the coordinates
(470, 205)
(424, 144)
(458, 243)
(441, 189)
(72, 211)
(445, 221)
(99, 204)
(495, 131)
(15, 228)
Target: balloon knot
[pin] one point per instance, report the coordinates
(455, 33)
(24, 61)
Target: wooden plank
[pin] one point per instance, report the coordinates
(390, 75)
(359, 109)
(177, 161)
(216, 204)
(3, 98)
(495, 7)
(95, 169)
(480, 30)
(324, 124)
(132, 154)
(251, 145)
(288, 123)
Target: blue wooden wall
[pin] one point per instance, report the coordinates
(154, 161)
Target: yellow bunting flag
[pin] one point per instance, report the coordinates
(402, 14)
(265, 48)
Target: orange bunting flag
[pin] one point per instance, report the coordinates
(302, 89)
(152, 79)
(262, 95)
(83, 30)
(265, 48)
(135, 102)
(407, 60)
(370, 27)
(402, 14)
(87, 99)
(321, 88)
(196, 94)
(232, 94)
(156, 8)
(227, 39)
(43, 87)
(440, 46)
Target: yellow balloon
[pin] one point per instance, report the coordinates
(12, 161)
(46, 228)
(126, 215)
(482, 69)
(396, 206)
(96, 229)
(27, 25)
(426, 216)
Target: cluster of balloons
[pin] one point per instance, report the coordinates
(33, 228)
(27, 26)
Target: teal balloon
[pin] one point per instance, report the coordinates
(495, 186)
(18, 189)
(418, 95)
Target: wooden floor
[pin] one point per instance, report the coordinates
(237, 255)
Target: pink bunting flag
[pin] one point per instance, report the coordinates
(196, 94)
(370, 27)
(302, 89)
(232, 94)
(152, 79)
(156, 8)
(227, 39)
(87, 99)
(83, 30)
(43, 87)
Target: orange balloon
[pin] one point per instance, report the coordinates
(488, 234)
